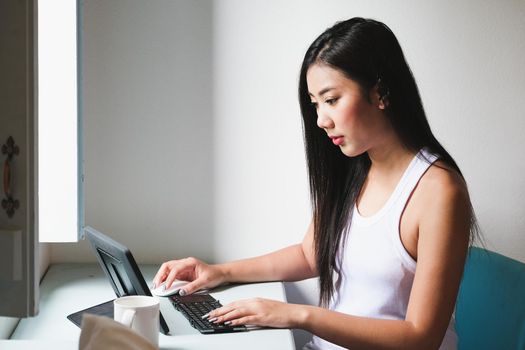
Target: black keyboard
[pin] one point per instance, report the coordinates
(194, 306)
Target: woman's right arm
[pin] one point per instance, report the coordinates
(293, 263)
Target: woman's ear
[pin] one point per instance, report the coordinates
(381, 94)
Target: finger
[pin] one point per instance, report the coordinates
(246, 320)
(161, 274)
(192, 287)
(178, 268)
(239, 304)
(232, 315)
(221, 311)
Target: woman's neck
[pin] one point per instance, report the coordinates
(389, 158)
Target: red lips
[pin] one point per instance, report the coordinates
(337, 140)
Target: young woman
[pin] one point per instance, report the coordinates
(391, 212)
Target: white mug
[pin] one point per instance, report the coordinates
(140, 313)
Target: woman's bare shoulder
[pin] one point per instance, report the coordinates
(441, 179)
(442, 188)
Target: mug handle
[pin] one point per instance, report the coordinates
(127, 317)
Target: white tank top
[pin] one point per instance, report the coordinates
(376, 271)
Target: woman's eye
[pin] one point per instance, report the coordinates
(331, 101)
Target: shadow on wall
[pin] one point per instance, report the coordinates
(301, 293)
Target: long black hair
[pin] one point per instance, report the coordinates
(367, 52)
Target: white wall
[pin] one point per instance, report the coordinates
(148, 128)
(467, 59)
(193, 133)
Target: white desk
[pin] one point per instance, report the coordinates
(67, 288)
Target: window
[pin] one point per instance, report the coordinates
(59, 122)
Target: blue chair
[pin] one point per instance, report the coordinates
(490, 310)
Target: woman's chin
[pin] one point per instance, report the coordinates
(351, 151)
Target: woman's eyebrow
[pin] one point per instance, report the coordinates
(323, 91)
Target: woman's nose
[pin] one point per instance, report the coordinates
(324, 121)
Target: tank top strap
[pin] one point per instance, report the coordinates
(423, 160)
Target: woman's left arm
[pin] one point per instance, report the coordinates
(442, 245)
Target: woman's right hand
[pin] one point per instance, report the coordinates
(199, 275)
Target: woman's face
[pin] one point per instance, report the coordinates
(354, 123)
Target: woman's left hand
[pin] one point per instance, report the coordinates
(258, 312)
